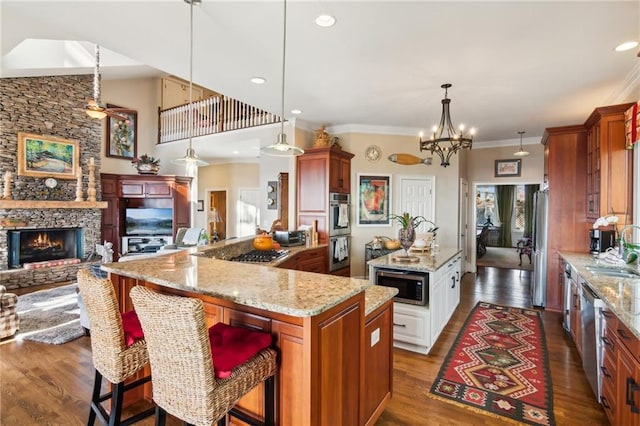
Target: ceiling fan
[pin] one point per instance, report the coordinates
(94, 108)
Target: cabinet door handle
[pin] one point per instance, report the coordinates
(605, 372)
(605, 403)
(399, 325)
(453, 285)
(623, 334)
(606, 314)
(458, 276)
(632, 387)
(607, 342)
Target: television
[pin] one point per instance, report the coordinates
(148, 221)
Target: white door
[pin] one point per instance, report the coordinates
(248, 211)
(416, 197)
(463, 243)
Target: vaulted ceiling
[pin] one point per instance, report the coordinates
(514, 65)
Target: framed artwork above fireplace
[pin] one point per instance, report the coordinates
(47, 156)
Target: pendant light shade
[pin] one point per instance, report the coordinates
(191, 159)
(521, 152)
(281, 148)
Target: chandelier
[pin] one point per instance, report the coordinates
(445, 141)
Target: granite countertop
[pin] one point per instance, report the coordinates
(376, 295)
(621, 295)
(290, 292)
(427, 262)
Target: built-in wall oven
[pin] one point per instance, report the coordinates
(413, 286)
(339, 250)
(339, 214)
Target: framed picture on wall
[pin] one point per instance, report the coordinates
(47, 156)
(122, 134)
(508, 168)
(374, 200)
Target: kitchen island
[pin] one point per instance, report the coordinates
(330, 331)
(416, 327)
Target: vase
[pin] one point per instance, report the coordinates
(406, 236)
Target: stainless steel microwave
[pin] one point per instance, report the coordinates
(413, 286)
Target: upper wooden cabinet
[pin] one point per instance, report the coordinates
(319, 172)
(565, 166)
(609, 165)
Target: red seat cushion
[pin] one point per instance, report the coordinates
(132, 328)
(232, 346)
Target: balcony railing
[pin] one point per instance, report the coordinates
(212, 115)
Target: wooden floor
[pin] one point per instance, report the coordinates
(50, 385)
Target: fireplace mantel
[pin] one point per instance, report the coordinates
(46, 204)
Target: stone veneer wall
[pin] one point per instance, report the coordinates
(51, 106)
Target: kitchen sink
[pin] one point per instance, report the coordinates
(613, 271)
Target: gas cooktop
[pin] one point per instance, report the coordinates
(260, 256)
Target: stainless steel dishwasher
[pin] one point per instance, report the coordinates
(591, 343)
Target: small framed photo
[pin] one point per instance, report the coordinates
(508, 168)
(122, 135)
(374, 200)
(200, 205)
(47, 156)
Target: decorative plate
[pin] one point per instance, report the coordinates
(50, 183)
(373, 153)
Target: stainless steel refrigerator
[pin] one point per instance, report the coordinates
(540, 217)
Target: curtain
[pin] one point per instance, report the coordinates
(529, 190)
(505, 195)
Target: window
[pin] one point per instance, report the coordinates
(487, 206)
(519, 208)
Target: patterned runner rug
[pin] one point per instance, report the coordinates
(499, 366)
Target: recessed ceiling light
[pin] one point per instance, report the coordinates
(325, 21)
(627, 45)
(296, 111)
(236, 152)
(258, 80)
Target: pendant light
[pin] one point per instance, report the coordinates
(191, 159)
(281, 148)
(521, 152)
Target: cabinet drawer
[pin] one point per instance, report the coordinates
(158, 189)
(608, 398)
(610, 343)
(132, 189)
(608, 369)
(315, 264)
(310, 254)
(629, 340)
(410, 327)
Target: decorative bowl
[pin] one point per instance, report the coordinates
(392, 244)
(263, 242)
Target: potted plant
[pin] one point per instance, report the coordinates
(146, 165)
(407, 232)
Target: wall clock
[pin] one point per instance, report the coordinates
(373, 153)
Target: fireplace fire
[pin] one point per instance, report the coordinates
(38, 245)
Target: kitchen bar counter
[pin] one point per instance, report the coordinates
(324, 326)
(621, 295)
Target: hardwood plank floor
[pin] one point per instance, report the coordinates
(51, 385)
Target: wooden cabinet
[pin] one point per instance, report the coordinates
(130, 191)
(620, 367)
(378, 369)
(568, 228)
(609, 165)
(312, 260)
(319, 172)
(340, 174)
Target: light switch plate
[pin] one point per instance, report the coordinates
(375, 337)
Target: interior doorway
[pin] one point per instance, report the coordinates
(217, 215)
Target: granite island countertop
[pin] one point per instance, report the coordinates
(621, 295)
(285, 291)
(427, 262)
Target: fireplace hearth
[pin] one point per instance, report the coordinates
(38, 245)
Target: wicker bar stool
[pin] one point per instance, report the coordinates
(188, 381)
(118, 348)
